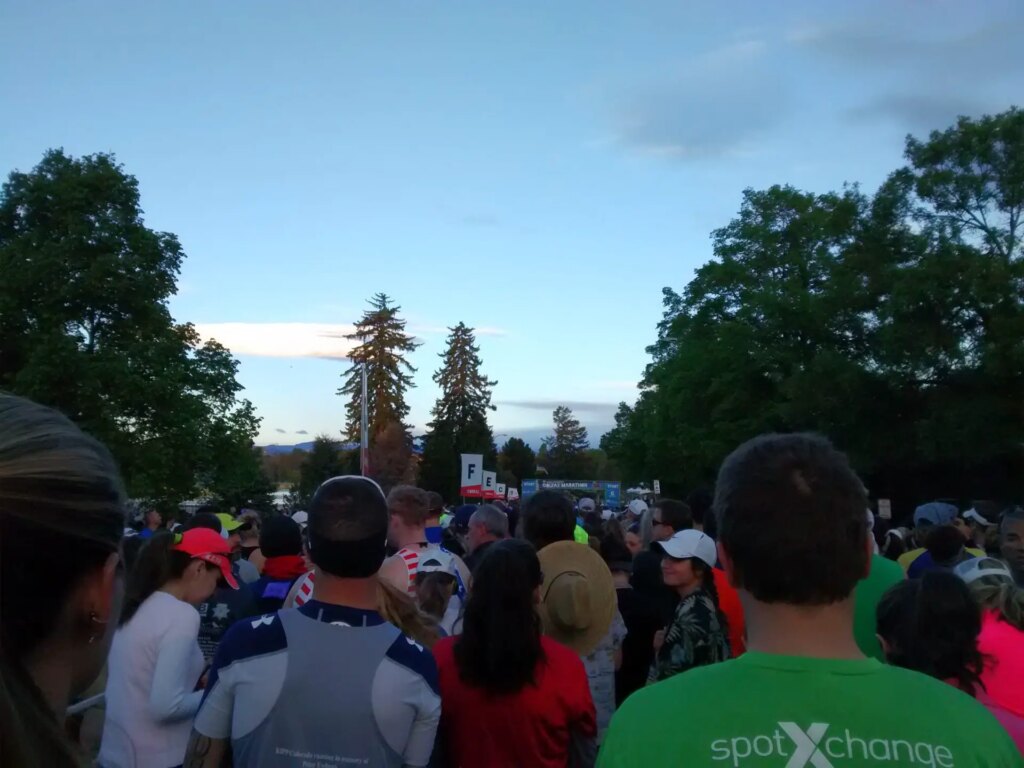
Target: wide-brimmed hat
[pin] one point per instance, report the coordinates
(577, 597)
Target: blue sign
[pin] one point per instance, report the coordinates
(612, 491)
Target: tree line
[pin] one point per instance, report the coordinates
(85, 326)
(893, 323)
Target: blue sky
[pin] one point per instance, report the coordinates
(537, 170)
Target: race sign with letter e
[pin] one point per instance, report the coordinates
(490, 485)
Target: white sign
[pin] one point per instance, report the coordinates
(885, 509)
(513, 494)
(490, 482)
(472, 474)
(657, 487)
(501, 490)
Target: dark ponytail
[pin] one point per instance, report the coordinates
(156, 565)
(707, 579)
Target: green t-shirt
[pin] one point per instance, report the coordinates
(884, 573)
(767, 711)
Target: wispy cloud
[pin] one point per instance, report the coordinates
(325, 341)
(925, 80)
(582, 406)
(717, 104)
(281, 431)
(319, 340)
(302, 432)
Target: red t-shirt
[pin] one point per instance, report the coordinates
(729, 602)
(528, 728)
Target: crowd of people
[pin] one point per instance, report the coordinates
(775, 622)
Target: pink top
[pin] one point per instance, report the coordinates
(1014, 724)
(1002, 644)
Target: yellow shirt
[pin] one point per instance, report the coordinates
(907, 558)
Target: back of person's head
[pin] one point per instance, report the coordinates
(700, 502)
(893, 544)
(435, 504)
(61, 518)
(944, 543)
(931, 625)
(348, 527)
(675, 514)
(280, 536)
(203, 520)
(548, 517)
(500, 645)
(156, 564)
(398, 607)
(494, 521)
(410, 504)
(791, 520)
(433, 593)
(615, 553)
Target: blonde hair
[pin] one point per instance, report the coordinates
(401, 610)
(1002, 596)
(61, 517)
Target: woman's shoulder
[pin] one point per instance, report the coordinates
(170, 612)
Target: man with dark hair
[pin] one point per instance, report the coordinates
(1011, 542)
(548, 517)
(331, 678)
(699, 502)
(793, 539)
(281, 544)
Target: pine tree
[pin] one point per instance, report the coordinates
(459, 416)
(518, 460)
(567, 448)
(382, 348)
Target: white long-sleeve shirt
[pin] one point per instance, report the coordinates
(153, 667)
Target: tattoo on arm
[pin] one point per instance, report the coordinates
(204, 752)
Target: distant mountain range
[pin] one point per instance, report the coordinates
(532, 437)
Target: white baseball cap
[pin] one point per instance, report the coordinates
(301, 517)
(691, 543)
(637, 506)
(976, 516)
(587, 505)
(978, 567)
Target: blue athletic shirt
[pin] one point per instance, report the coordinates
(322, 684)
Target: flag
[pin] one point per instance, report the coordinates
(471, 478)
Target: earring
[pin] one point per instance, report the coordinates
(95, 619)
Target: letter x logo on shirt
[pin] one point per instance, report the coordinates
(806, 745)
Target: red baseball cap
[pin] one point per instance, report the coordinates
(206, 544)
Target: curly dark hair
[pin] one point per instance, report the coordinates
(931, 625)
